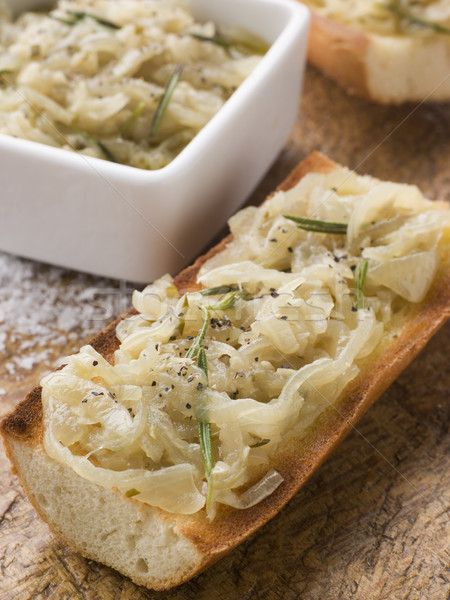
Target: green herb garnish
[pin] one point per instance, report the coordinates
(165, 99)
(396, 9)
(204, 428)
(132, 492)
(360, 281)
(103, 149)
(69, 22)
(215, 39)
(260, 443)
(318, 225)
(202, 362)
(81, 14)
(226, 303)
(204, 436)
(221, 289)
(124, 128)
(232, 294)
(196, 344)
(106, 153)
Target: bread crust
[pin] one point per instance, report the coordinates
(340, 53)
(299, 459)
(378, 68)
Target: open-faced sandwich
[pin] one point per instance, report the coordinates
(390, 51)
(193, 420)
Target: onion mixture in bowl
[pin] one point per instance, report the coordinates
(131, 81)
(207, 386)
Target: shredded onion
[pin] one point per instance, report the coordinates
(282, 340)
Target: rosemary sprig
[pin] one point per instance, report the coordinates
(106, 153)
(204, 436)
(195, 348)
(226, 303)
(215, 39)
(100, 145)
(360, 281)
(221, 289)
(69, 22)
(232, 294)
(124, 128)
(165, 98)
(204, 428)
(260, 443)
(202, 362)
(81, 14)
(318, 225)
(396, 9)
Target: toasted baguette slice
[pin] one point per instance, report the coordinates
(160, 550)
(389, 69)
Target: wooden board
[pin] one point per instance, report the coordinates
(373, 523)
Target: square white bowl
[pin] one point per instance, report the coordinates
(119, 221)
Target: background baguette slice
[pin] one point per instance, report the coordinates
(387, 69)
(157, 549)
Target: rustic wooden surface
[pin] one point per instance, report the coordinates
(373, 523)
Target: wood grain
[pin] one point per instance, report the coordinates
(374, 521)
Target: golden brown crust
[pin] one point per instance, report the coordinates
(26, 420)
(214, 539)
(340, 53)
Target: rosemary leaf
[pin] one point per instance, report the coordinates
(132, 492)
(124, 128)
(103, 149)
(204, 428)
(360, 281)
(260, 443)
(396, 9)
(215, 291)
(226, 303)
(204, 433)
(106, 153)
(195, 347)
(81, 14)
(202, 362)
(69, 22)
(317, 225)
(215, 39)
(204, 436)
(165, 98)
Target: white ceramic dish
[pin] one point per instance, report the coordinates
(91, 215)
